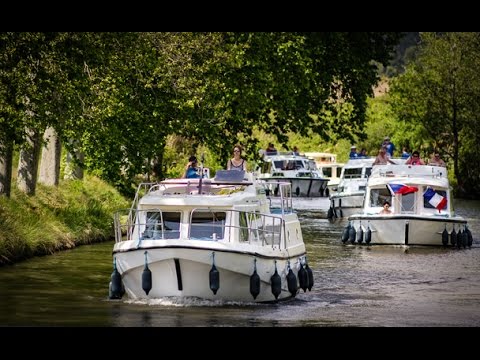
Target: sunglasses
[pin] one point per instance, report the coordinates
(236, 151)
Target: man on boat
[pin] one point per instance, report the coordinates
(353, 152)
(389, 146)
(436, 160)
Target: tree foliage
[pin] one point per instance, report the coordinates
(440, 94)
(119, 97)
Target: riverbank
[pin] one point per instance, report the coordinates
(57, 218)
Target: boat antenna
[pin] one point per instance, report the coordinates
(202, 159)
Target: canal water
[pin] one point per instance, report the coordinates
(361, 286)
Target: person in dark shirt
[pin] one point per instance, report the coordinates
(353, 152)
(363, 153)
(191, 171)
(389, 146)
(271, 150)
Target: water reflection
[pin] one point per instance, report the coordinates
(355, 285)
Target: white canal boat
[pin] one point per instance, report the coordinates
(351, 190)
(215, 239)
(301, 172)
(421, 209)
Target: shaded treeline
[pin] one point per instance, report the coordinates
(113, 99)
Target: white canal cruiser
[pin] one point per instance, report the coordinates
(306, 179)
(421, 209)
(331, 169)
(215, 239)
(351, 190)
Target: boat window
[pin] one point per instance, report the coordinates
(278, 164)
(207, 225)
(299, 164)
(408, 203)
(252, 228)
(243, 226)
(339, 172)
(306, 174)
(266, 167)
(154, 225)
(327, 171)
(379, 196)
(312, 165)
(353, 173)
(289, 165)
(426, 203)
(368, 171)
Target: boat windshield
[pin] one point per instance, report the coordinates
(207, 225)
(158, 222)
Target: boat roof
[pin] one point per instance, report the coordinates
(322, 157)
(285, 156)
(359, 162)
(409, 174)
(187, 192)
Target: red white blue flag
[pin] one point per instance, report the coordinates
(436, 200)
(401, 189)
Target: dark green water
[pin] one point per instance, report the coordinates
(354, 286)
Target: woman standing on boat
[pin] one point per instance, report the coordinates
(237, 162)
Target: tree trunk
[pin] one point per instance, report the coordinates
(50, 163)
(28, 163)
(72, 170)
(6, 162)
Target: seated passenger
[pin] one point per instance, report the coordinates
(414, 159)
(436, 160)
(386, 209)
(363, 153)
(271, 150)
(353, 152)
(191, 171)
(405, 153)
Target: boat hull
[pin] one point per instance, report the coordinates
(346, 204)
(406, 230)
(183, 272)
(302, 187)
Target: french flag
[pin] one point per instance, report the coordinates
(435, 199)
(401, 189)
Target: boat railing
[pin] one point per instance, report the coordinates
(204, 224)
(425, 171)
(283, 191)
(142, 189)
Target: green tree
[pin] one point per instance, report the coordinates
(439, 94)
(117, 98)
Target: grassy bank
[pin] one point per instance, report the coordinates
(57, 218)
